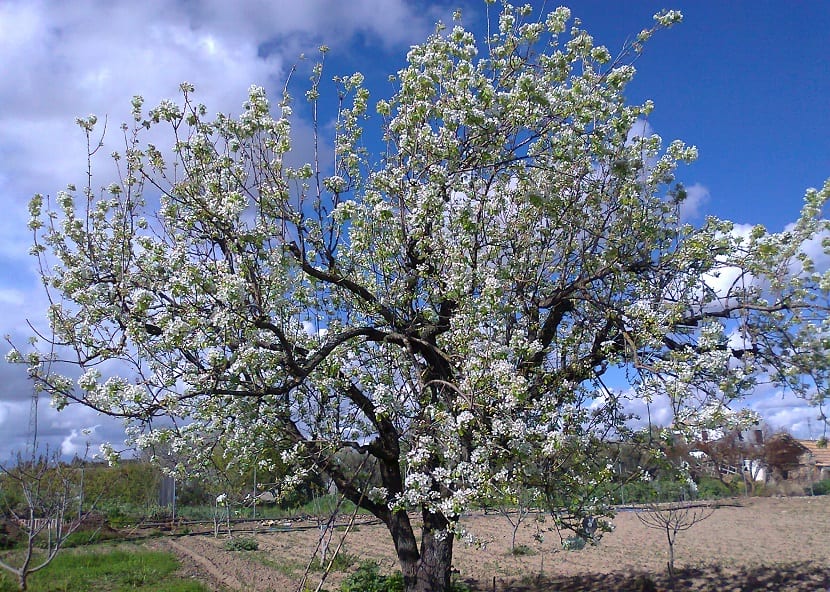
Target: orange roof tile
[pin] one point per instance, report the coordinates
(820, 455)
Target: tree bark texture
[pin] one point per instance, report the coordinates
(427, 569)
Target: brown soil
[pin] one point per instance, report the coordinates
(762, 544)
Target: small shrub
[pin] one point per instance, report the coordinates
(241, 544)
(573, 543)
(710, 488)
(10, 534)
(115, 515)
(82, 537)
(520, 550)
(645, 583)
(342, 562)
(821, 488)
(367, 578)
(640, 492)
(761, 489)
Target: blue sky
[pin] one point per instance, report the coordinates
(747, 82)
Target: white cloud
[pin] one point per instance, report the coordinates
(11, 297)
(79, 442)
(696, 197)
(61, 432)
(783, 410)
(387, 22)
(69, 447)
(659, 412)
(722, 280)
(814, 249)
(779, 409)
(640, 129)
(64, 59)
(61, 60)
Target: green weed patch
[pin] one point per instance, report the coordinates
(107, 569)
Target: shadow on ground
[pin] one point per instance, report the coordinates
(794, 577)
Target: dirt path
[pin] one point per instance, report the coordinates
(237, 571)
(217, 574)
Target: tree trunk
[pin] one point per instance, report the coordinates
(670, 563)
(427, 570)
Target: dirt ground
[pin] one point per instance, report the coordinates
(756, 544)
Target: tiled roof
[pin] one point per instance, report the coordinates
(820, 455)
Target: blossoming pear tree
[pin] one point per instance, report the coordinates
(447, 308)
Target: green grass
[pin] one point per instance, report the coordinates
(107, 569)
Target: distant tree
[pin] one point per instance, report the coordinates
(515, 500)
(44, 495)
(671, 519)
(726, 458)
(130, 482)
(448, 307)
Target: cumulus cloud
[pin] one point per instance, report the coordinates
(640, 129)
(388, 23)
(61, 60)
(696, 197)
(11, 297)
(658, 412)
(62, 432)
(814, 249)
(724, 278)
(91, 58)
(780, 409)
(79, 442)
(783, 410)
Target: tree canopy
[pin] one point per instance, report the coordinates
(449, 307)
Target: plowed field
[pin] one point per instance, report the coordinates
(755, 544)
